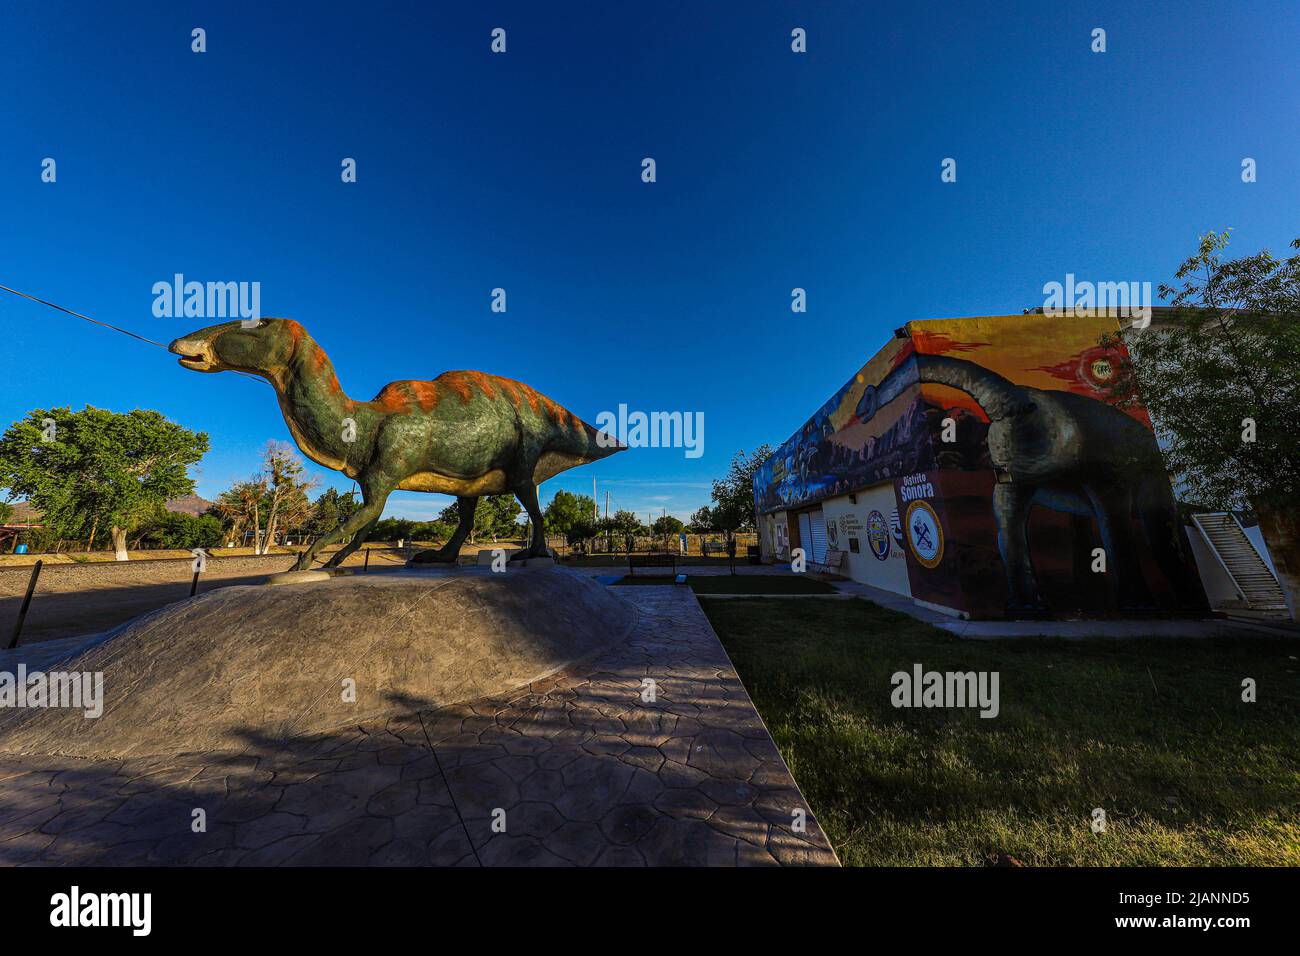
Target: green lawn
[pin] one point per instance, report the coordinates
(738, 583)
(1155, 732)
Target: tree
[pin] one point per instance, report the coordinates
(495, 517)
(183, 532)
(1221, 379)
(330, 509)
(241, 506)
(6, 512)
(97, 469)
(392, 529)
(666, 526)
(733, 496)
(701, 522)
(286, 490)
(567, 511)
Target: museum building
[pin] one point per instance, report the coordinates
(988, 467)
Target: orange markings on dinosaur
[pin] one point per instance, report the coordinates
(426, 394)
(393, 399)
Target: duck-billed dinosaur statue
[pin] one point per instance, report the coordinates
(464, 433)
(1070, 453)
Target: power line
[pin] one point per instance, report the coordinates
(106, 325)
(86, 317)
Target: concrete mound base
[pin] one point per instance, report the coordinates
(255, 665)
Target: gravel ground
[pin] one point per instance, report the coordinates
(77, 599)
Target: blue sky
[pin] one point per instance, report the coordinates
(523, 171)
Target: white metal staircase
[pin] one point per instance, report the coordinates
(1256, 586)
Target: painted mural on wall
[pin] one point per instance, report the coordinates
(850, 442)
(1042, 412)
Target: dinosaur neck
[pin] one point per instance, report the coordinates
(314, 405)
(998, 397)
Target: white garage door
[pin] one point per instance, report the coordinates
(812, 535)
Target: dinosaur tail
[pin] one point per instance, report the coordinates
(598, 444)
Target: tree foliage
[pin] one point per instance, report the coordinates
(330, 510)
(96, 470)
(733, 496)
(568, 512)
(496, 516)
(1228, 356)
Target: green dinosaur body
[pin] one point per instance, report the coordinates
(464, 433)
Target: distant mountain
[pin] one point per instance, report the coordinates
(190, 505)
(24, 513)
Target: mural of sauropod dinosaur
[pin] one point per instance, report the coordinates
(1068, 452)
(464, 433)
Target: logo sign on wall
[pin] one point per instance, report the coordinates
(924, 533)
(878, 535)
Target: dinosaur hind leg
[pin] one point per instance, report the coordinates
(450, 551)
(527, 495)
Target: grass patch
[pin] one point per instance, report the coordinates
(1153, 731)
(737, 584)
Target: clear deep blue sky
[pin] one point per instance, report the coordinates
(522, 171)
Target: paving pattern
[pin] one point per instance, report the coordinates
(652, 754)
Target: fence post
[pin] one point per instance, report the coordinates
(27, 600)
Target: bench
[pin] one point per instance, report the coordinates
(713, 547)
(833, 565)
(663, 559)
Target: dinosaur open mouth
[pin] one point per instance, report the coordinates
(193, 354)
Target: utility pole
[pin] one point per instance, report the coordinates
(607, 506)
(595, 506)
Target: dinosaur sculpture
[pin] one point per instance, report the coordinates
(464, 433)
(1067, 452)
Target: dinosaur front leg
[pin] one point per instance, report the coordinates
(355, 542)
(374, 497)
(305, 560)
(1011, 504)
(451, 550)
(527, 495)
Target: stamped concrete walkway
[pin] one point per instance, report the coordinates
(585, 768)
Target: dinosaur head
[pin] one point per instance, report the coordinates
(259, 349)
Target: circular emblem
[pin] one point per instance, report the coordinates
(924, 534)
(878, 535)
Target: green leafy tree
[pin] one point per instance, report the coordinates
(625, 522)
(392, 529)
(434, 531)
(666, 526)
(6, 512)
(95, 469)
(701, 522)
(733, 496)
(183, 532)
(330, 509)
(567, 511)
(495, 517)
(1221, 378)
